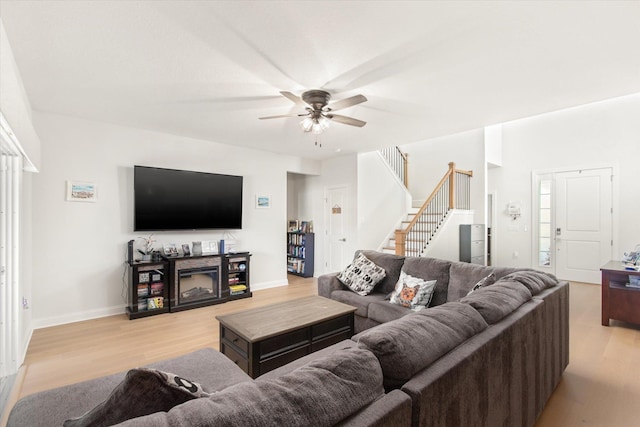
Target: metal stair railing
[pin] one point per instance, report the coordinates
(398, 162)
(452, 192)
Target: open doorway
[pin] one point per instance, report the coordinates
(300, 228)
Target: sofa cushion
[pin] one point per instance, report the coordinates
(498, 300)
(408, 345)
(361, 275)
(535, 281)
(412, 292)
(463, 276)
(360, 302)
(383, 312)
(211, 368)
(141, 392)
(430, 269)
(485, 281)
(322, 393)
(392, 265)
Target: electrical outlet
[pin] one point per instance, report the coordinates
(515, 254)
(25, 304)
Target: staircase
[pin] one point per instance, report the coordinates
(422, 224)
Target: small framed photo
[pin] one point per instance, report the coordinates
(170, 249)
(81, 191)
(263, 202)
(185, 250)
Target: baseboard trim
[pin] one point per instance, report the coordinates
(78, 317)
(267, 285)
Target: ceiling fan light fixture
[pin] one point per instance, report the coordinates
(306, 124)
(319, 113)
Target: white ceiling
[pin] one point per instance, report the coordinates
(209, 69)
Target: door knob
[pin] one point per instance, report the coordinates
(342, 240)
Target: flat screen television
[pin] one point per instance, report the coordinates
(168, 199)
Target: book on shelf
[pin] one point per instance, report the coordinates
(297, 226)
(143, 291)
(295, 265)
(157, 288)
(237, 289)
(155, 302)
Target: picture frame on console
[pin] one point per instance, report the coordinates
(170, 249)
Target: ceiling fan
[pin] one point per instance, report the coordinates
(318, 110)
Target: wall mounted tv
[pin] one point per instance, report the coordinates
(168, 199)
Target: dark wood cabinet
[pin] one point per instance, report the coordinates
(148, 285)
(620, 300)
(237, 276)
(183, 283)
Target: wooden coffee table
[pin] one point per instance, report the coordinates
(264, 338)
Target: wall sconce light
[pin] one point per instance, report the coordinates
(514, 210)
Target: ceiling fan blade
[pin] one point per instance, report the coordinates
(347, 102)
(346, 120)
(281, 116)
(294, 98)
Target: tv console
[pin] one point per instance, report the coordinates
(188, 282)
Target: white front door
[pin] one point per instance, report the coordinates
(336, 214)
(583, 224)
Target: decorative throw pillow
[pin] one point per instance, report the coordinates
(362, 275)
(485, 281)
(412, 292)
(141, 392)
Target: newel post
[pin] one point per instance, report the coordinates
(405, 159)
(400, 240)
(452, 185)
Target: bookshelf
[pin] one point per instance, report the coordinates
(148, 289)
(238, 275)
(300, 253)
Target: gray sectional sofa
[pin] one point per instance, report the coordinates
(489, 358)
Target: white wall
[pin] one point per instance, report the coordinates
(79, 248)
(606, 133)
(446, 244)
(383, 201)
(429, 160)
(14, 104)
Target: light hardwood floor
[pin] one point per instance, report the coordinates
(600, 387)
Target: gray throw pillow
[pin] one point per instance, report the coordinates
(362, 275)
(412, 292)
(142, 392)
(485, 281)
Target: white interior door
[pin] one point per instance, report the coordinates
(583, 223)
(336, 214)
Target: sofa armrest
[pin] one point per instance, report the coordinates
(212, 369)
(328, 283)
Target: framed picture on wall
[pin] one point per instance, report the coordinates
(81, 191)
(263, 201)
